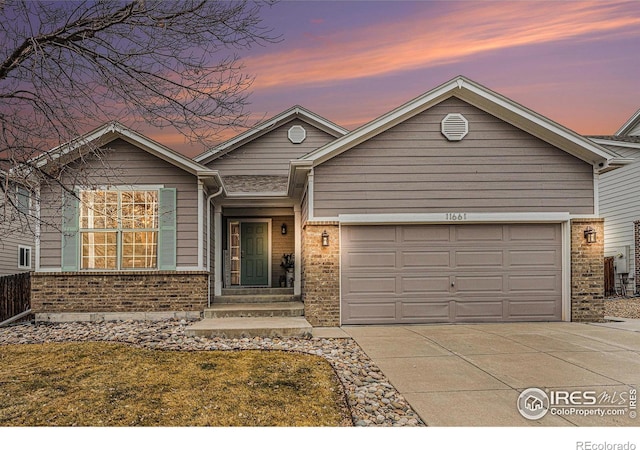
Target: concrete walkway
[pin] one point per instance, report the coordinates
(472, 375)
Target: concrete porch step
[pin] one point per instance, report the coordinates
(240, 327)
(274, 309)
(255, 298)
(257, 291)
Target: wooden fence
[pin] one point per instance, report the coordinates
(15, 295)
(609, 277)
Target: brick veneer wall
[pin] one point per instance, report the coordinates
(636, 252)
(321, 274)
(587, 272)
(65, 292)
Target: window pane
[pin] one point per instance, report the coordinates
(139, 249)
(99, 209)
(99, 250)
(139, 209)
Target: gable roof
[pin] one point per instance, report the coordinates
(486, 100)
(630, 124)
(70, 151)
(295, 112)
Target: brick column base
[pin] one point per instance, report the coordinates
(321, 274)
(587, 272)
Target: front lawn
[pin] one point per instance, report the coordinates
(101, 384)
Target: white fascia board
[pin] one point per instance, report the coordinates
(594, 151)
(629, 124)
(379, 125)
(115, 130)
(161, 151)
(452, 218)
(462, 87)
(601, 141)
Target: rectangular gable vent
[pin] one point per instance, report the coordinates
(454, 127)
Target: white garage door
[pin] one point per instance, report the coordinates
(451, 273)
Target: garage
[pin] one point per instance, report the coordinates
(451, 273)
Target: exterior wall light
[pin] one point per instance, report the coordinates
(590, 235)
(325, 238)
(283, 228)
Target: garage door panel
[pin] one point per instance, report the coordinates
(539, 283)
(469, 284)
(370, 312)
(371, 260)
(425, 312)
(424, 285)
(534, 258)
(425, 259)
(476, 233)
(476, 310)
(500, 272)
(533, 308)
(433, 234)
(534, 233)
(369, 235)
(479, 258)
(369, 284)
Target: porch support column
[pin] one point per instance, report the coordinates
(217, 250)
(297, 284)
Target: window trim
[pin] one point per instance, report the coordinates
(119, 230)
(29, 251)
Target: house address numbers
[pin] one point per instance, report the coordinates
(456, 217)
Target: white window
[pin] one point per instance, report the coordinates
(24, 257)
(119, 229)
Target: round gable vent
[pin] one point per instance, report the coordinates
(297, 134)
(455, 127)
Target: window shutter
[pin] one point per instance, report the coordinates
(70, 234)
(167, 235)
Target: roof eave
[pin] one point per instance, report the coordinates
(484, 99)
(264, 127)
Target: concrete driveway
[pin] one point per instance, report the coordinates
(472, 375)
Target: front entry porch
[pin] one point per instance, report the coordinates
(250, 245)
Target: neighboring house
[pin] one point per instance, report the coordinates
(458, 206)
(17, 231)
(619, 193)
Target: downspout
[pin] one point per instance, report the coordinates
(209, 198)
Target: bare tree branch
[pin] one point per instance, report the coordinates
(67, 67)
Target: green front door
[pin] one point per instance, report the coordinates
(254, 254)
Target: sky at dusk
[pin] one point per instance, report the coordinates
(575, 62)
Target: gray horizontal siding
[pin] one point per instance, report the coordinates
(10, 239)
(620, 206)
(413, 168)
(270, 154)
(126, 164)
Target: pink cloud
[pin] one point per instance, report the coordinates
(467, 29)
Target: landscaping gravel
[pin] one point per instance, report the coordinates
(623, 307)
(372, 399)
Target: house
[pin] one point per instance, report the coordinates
(618, 196)
(16, 229)
(458, 206)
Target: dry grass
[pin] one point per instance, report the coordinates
(100, 384)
